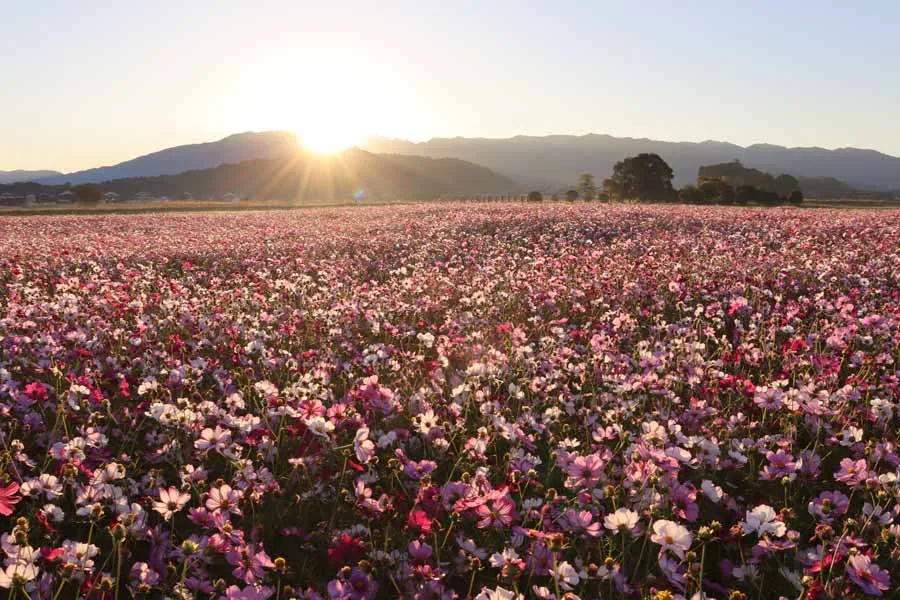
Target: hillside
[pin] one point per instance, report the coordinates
(303, 176)
(232, 149)
(555, 160)
(23, 175)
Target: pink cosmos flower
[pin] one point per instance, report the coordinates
(417, 470)
(363, 447)
(852, 472)
(170, 502)
(768, 398)
(585, 471)
(871, 578)
(582, 521)
(828, 505)
(359, 586)
(250, 563)
(248, 593)
(500, 513)
(781, 464)
(9, 497)
(217, 439)
(684, 502)
(224, 499)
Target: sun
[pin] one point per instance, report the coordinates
(326, 140)
(329, 133)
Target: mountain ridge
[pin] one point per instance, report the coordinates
(17, 175)
(542, 162)
(558, 159)
(234, 148)
(303, 175)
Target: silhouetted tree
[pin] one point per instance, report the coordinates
(751, 194)
(645, 177)
(572, 195)
(611, 188)
(796, 197)
(716, 190)
(88, 193)
(535, 196)
(691, 194)
(586, 187)
(785, 184)
(554, 198)
(744, 194)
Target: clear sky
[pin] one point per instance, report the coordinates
(85, 83)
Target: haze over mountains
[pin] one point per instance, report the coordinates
(299, 175)
(232, 149)
(24, 175)
(542, 162)
(557, 160)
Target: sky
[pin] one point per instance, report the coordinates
(85, 83)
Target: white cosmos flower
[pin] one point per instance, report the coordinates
(671, 536)
(498, 594)
(621, 520)
(320, 426)
(712, 491)
(761, 520)
(566, 575)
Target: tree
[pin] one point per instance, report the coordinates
(554, 198)
(535, 196)
(785, 184)
(716, 190)
(88, 193)
(749, 193)
(744, 194)
(611, 188)
(586, 187)
(645, 177)
(691, 194)
(796, 197)
(572, 195)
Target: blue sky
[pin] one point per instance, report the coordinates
(89, 83)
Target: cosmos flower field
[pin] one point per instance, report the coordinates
(451, 401)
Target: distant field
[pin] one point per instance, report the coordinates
(175, 206)
(204, 206)
(438, 401)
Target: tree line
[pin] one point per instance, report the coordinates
(648, 178)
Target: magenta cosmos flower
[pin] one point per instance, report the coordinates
(9, 497)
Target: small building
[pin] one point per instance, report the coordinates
(143, 197)
(229, 197)
(65, 197)
(8, 199)
(111, 198)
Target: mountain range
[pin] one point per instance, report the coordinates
(23, 175)
(232, 149)
(557, 160)
(304, 176)
(541, 162)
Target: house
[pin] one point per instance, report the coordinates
(65, 197)
(8, 199)
(111, 198)
(229, 197)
